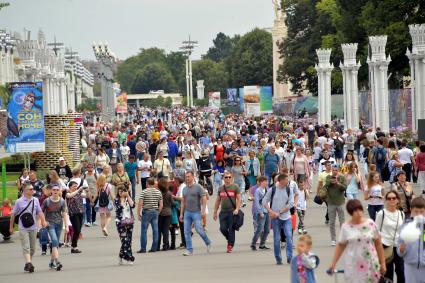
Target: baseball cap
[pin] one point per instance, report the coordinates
(61, 159)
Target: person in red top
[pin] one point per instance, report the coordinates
(5, 211)
(219, 150)
(420, 167)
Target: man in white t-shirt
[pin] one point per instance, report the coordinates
(407, 159)
(145, 167)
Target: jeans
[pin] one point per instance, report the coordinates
(172, 162)
(408, 169)
(333, 210)
(77, 223)
(189, 219)
(133, 187)
(140, 155)
(90, 212)
(278, 225)
(149, 217)
(373, 210)
(241, 185)
(226, 227)
(262, 229)
(55, 230)
(143, 182)
(163, 227)
(301, 215)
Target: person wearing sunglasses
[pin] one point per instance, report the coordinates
(388, 221)
(27, 204)
(56, 211)
(229, 198)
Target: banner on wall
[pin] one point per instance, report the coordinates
(252, 100)
(122, 103)
(241, 102)
(25, 121)
(232, 97)
(400, 108)
(214, 100)
(266, 99)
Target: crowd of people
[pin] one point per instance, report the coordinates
(181, 157)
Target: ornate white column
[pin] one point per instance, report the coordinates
(378, 72)
(417, 73)
(2, 69)
(324, 71)
(200, 89)
(279, 34)
(351, 93)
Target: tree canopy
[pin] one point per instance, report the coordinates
(153, 76)
(316, 24)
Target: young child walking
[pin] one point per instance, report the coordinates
(304, 263)
(302, 205)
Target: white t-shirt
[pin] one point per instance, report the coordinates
(145, 166)
(389, 228)
(302, 203)
(125, 150)
(405, 154)
(322, 140)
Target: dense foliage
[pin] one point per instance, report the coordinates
(316, 24)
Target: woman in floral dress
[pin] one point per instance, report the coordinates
(360, 240)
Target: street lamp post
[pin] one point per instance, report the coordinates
(106, 60)
(187, 49)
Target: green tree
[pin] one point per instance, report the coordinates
(176, 64)
(223, 46)
(89, 104)
(154, 76)
(250, 61)
(3, 5)
(127, 71)
(214, 75)
(4, 95)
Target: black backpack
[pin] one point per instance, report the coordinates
(204, 164)
(385, 172)
(103, 199)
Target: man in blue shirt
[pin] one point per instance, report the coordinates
(133, 174)
(173, 150)
(271, 163)
(281, 199)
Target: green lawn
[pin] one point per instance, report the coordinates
(11, 193)
(11, 177)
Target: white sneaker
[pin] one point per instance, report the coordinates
(187, 253)
(300, 231)
(88, 224)
(177, 232)
(333, 243)
(128, 262)
(209, 248)
(120, 262)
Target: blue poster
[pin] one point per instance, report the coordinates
(25, 121)
(232, 99)
(241, 103)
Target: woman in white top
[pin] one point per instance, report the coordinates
(189, 163)
(388, 222)
(374, 194)
(145, 167)
(125, 152)
(300, 165)
(102, 159)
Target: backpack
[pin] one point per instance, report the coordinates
(338, 144)
(288, 191)
(204, 164)
(380, 155)
(385, 172)
(103, 198)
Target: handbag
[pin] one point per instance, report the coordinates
(27, 219)
(318, 200)
(238, 218)
(128, 221)
(389, 250)
(161, 173)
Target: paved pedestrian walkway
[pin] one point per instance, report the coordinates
(99, 260)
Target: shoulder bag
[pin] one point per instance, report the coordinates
(389, 250)
(238, 218)
(19, 215)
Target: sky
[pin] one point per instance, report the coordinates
(128, 25)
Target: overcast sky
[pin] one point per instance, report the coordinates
(128, 25)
